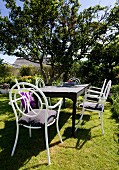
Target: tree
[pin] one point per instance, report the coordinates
(37, 33)
(55, 28)
(103, 53)
(4, 70)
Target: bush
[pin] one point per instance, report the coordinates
(5, 71)
(116, 106)
(26, 71)
(115, 100)
(29, 79)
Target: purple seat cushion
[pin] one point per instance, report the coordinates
(93, 106)
(38, 120)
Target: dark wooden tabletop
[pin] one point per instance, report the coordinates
(57, 91)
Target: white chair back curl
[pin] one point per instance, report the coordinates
(40, 82)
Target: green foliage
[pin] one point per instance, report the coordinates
(26, 71)
(5, 71)
(115, 100)
(9, 80)
(29, 79)
(58, 30)
(116, 106)
(116, 74)
(74, 70)
(115, 89)
(116, 70)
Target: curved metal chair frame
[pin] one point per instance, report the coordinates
(40, 83)
(34, 118)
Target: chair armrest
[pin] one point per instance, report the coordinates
(92, 96)
(59, 103)
(93, 87)
(100, 99)
(93, 91)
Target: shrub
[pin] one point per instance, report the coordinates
(26, 71)
(5, 71)
(115, 100)
(29, 79)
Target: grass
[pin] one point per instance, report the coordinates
(89, 150)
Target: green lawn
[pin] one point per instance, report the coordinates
(89, 150)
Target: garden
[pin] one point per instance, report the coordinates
(66, 43)
(89, 149)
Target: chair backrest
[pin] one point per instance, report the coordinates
(30, 91)
(40, 82)
(76, 80)
(17, 82)
(107, 90)
(103, 86)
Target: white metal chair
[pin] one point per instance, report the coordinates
(76, 80)
(92, 105)
(40, 83)
(32, 117)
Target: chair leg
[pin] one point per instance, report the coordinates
(82, 113)
(99, 114)
(16, 139)
(57, 126)
(101, 121)
(49, 100)
(30, 132)
(47, 145)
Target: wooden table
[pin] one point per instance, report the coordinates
(72, 93)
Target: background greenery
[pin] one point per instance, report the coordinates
(30, 73)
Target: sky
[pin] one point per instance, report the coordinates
(84, 4)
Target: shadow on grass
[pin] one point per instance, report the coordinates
(82, 134)
(26, 147)
(85, 118)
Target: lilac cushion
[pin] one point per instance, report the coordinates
(38, 120)
(27, 95)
